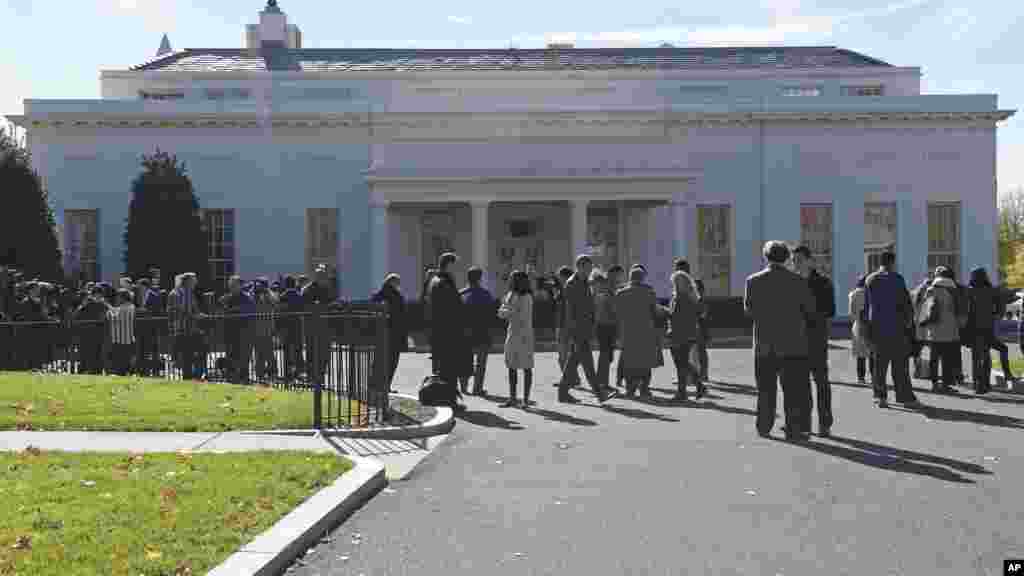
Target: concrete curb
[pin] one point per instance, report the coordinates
(442, 423)
(272, 552)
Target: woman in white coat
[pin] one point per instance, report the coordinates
(517, 309)
(860, 346)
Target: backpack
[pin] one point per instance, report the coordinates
(436, 392)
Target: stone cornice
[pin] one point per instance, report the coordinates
(507, 124)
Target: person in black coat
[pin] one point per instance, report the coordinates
(818, 328)
(447, 339)
(481, 310)
(398, 327)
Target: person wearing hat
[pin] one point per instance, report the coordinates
(941, 320)
(780, 303)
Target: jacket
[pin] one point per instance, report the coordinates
(579, 307)
(781, 304)
(947, 328)
(398, 328)
(860, 345)
(684, 312)
(446, 310)
(984, 305)
(890, 311)
(824, 299)
(604, 306)
(480, 309)
(520, 341)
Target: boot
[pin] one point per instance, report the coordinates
(511, 389)
(527, 385)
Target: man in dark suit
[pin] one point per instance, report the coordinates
(817, 335)
(890, 318)
(780, 304)
(579, 325)
(447, 317)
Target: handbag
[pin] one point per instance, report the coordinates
(507, 307)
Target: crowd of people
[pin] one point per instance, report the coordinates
(790, 303)
(119, 328)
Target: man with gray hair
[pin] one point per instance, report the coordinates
(780, 304)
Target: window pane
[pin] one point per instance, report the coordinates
(713, 245)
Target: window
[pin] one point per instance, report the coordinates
(161, 96)
(698, 90)
(879, 233)
(801, 91)
(714, 248)
(322, 239)
(81, 245)
(816, 233)
(220, 235)
(874, 90)
(944, 236)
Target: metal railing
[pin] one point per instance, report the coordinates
(340, 355)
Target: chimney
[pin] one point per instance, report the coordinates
(273, 30)
(273, 26)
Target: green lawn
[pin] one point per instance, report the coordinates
(154, 514)
(31, 401)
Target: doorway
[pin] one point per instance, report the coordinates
(521, 247)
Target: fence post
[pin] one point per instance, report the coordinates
(313, 370)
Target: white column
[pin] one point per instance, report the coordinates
(623, 233)
(481, 237)
(680, 228)
(379, 231)
(578, 226)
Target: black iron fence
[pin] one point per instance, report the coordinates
(340, 355)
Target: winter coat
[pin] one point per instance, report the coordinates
(637, 308)
(860, 345)
(684, 310)
(781, 304)
(579, 307)
(398, 328)
(984, 301)
(520, 341)
(890, 312)
(947, 328)
(479, 308)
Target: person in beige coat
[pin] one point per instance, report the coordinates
(684, 310)
(520, 342)
(943, 331)
(637, 308)
(860, 345)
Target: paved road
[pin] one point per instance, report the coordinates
(654, 488)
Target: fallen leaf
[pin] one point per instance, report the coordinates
(153, 554)
(23, 543)
(343, 558)
(88, 483)
(33, 450)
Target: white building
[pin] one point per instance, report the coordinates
(378, 160)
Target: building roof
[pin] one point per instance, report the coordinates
(426, 60)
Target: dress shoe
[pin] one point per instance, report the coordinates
(764, 434)
(825, 432)
(568, 399)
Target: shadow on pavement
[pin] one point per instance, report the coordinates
(488, 419)
(721, 408)
(885, 461)
(561, 417)
(690, 391)
(734, 388)
(638, 414)
(968, 467)
(956, 415)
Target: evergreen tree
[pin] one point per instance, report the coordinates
(28, 231)
(164, 229)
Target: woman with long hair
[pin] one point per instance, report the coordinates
(683, 310)
(984, 303)
(517, 309)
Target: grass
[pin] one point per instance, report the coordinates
(154, 514)
(30, 401)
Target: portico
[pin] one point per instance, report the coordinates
(532, 223)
